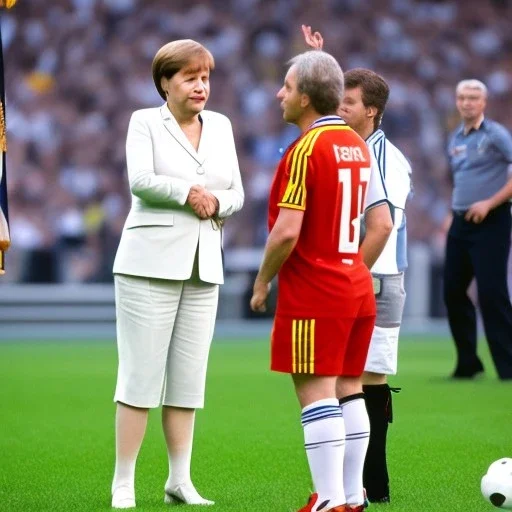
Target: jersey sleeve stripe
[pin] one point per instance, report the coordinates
(382, 164)
(377, 203)
(291, 206)
(297, 166)
(295, 193)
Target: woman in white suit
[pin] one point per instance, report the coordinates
(185, 180)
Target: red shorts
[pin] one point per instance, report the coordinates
(321, 346)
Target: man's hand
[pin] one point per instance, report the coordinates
(478, 211)
(313, 39)
(260, 293)
(204, 203)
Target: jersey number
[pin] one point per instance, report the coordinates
(348, 220)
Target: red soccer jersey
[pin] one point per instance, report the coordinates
(325, 173)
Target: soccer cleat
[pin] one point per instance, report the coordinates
(184, 494)
(123, 497)
(313, 505)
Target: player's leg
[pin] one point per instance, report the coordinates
(324, 438)
(313, 351)
(130, 428)
(351, 399)
(144, 328)
(493, 294)
(381, 362)
(458, 273)
(185, 384)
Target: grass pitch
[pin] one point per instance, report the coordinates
(57, 437)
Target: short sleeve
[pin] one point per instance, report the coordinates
(377, 193)
(503, 141)
(293, 185)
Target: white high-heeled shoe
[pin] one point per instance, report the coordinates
(123, 497)
(184, 494)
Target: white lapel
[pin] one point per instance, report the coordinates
(177, 134)
(202, 149)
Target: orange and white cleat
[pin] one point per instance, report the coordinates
(315, 505)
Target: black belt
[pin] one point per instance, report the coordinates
(459, 213)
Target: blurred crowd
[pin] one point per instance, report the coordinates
(76, 69)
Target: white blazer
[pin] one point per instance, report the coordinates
(162, 234)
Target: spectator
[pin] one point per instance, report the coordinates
(76, 69)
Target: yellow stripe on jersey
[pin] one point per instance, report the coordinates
(303, 346)
(295, 193)
(296, 167)
(290, 206)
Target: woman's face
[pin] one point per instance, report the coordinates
(188, 90)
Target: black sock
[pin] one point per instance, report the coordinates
(380, 411)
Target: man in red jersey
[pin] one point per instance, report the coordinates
(326, 307)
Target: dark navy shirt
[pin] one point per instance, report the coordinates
(479, 162)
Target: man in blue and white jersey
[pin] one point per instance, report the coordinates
(365, 98)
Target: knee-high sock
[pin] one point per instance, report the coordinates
(379, 406)
(357, 433)
(324, 442)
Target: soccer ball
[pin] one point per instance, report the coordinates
(496, 484)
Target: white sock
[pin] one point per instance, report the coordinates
(357, 436)
(179, 468)
(324, 437)
(124, 474)
(179, 476)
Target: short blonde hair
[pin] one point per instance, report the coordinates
(174, 56)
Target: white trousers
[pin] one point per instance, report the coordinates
(164, 333)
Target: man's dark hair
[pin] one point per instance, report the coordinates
(374, 90)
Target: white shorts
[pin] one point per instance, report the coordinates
(390, 297)
(164, 333)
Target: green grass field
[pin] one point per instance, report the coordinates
(57, 438)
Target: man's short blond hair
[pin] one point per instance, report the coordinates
(176, 55)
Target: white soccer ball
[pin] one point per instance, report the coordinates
(496, 484)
